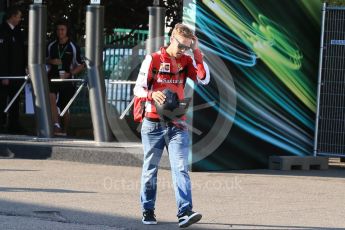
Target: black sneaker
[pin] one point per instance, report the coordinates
(149, 217)
(188, 218)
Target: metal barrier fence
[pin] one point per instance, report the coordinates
(330, 126)
(118, 52)
(120, 94)
(21, 88)
(118, 57)
(77, 92)
(26, 81)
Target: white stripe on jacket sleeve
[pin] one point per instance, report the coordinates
(140, 89)
(206, 80)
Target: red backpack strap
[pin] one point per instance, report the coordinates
(156, 63)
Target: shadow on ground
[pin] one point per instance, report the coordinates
(98, 220)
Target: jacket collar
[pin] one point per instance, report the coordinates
(164, 52)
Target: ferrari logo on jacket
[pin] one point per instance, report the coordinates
(164, 67)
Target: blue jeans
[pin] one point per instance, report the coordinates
(155, 136)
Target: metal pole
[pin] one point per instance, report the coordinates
(68, 80)
(17, 95)
(83, 83)
(319, 77)
(14, 77)
(36, 64)
(94, 60)
(156, 28)
(127, 109)
(72, 99)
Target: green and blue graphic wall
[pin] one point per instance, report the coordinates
(263, 57)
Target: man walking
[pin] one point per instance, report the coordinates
(165, 70)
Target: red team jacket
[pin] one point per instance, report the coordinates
(172, 74)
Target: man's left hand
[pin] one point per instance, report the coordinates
(66, 75)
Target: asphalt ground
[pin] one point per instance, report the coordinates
(52, 194)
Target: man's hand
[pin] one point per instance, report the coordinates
(5, 82)
(158, 97)
(195, 43)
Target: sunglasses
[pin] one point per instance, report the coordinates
(180, 45)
